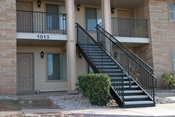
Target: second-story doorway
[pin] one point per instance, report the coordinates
(124, 22)
(55, 17)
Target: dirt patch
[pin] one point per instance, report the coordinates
(38, 104)
(9, 105)
(16, 105)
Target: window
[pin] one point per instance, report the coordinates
(55, 17)
(93, 17)
(56, 67)
(90, 70)
(171, 7)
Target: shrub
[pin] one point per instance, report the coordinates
(169, 80)
(96, 87)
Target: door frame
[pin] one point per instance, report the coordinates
(33, 74)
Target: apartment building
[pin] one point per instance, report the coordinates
(38, 40)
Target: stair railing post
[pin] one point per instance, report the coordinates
(77, 33)
(122, 87)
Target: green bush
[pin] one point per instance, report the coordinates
(96, 87)
(169, 80)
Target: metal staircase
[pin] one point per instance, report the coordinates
(126, 90)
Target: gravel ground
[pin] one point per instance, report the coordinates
(72, 102)
(80, 102)
(163, 100)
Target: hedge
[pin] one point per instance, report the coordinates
(169, 80)
(96, 87)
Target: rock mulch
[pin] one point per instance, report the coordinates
(163, 100)
(80, 102)
(72, 102)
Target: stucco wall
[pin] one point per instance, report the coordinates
(40, 68)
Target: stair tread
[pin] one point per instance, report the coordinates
(138, 102)
(123, 82)
(135, 96)
(132, 86)
(133, 91)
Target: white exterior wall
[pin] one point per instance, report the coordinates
(40, 68)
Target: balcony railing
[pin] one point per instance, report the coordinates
(41, 22)
(129, 27)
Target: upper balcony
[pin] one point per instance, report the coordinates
(130, 30)
(41, 22)
(47, 22)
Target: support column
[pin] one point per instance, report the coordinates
(8, 47)
(71, 49)
(106, 19)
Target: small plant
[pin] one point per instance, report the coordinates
(169, 80)
(96, 87)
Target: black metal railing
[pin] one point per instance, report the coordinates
(83, 38)
(140, 71)
(129, 27)
(41, 22)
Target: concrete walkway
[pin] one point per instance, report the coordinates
(160, 110)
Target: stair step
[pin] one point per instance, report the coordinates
(133, 91)
(90, 44)
(110, 72)
(123, 82)
(97, 54)
(91, 47)
(102, 60)
(93, 51)
(108, 63)
(116, 79)
(132, 86)
(99, 57)
(138, 102)
(115, 74)
(107, 67)
(136, 97)
(113, 79)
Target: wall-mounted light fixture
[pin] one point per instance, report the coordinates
(42, 54)
(80, 55)
(78, 7)
(115, 55)
(112, 10)
(39, 3)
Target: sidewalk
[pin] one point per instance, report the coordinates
(160, 110)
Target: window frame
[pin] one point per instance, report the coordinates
(96, 15)
(60, 17)
(61, 70)
(171, 11)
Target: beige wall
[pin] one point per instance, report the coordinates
(82, 66)
(40, 68)
(139, 11)
(8, 47)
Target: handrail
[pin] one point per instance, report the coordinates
(140, 71)
(150, 69)
(84, 38)
(41, 22)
